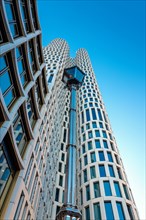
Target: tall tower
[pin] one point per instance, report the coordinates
(102, 188)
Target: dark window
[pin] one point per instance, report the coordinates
(87, 192)
(85, 175)
(60, 167)
(102, 171)
(12, 18)
(94, 125)
(25, 16)
(90, 145)
(92, 172)
(107, 188)
(93, 114)
(117, 189)
(126, 191)
(33, 12)
(120, 211)
(97, 144)
(21, 65)
(87, 115)
(119, 173)
(97, 212)
(31, 110)
(19, 132)
(85, 160)
(57, 195)
(64, 136)
(90, 135)
(109, 211)
(6, 82)
(99, 115)
(61, 181)
(109, 157)
(93, 157)
(96, 190)
(81, 196)
(97, 133)
(50, 78)
(82, 116)
(32, 56)
(62, 157)
(111, 171)
(39, 50)
(83, 148)
(87, 213)
(105, 144)
(101, 156)
(130, 211)
(104, 134)
(100, 124)
(38, 94)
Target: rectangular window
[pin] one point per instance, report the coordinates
(31, 110)
(85, 160)
(19, 132)
(60, 167)
(62, 157)
(97, 212)
(85, 175)
(92, 172)
(81, 197)
(50, 78)
(93, 157)
(97, 144)
(109, 156)
(64, 136)
(57, 195)
(39, 50)
(19, 207)
(99, 115)
(33, 13)
(90, 145)
(82, 117)
(102, 171)
(105, 144)
(104, 134)
(21, 65)
(90, 135)
(12, 18)
(87, 126)
(25, 15)
(7, 86)
(119, 173)
(94, 125)
(104, 116)
(101, 155)
(83, 149)
(96, 190)
(97, 133)
(93, 114)
(107, 188)
(126, 191)
(61, 181)
(117, 189)
(130, 211)
(87, 192)
(100, 124)
(120, 211)
(109, 211)
(38, 94)
(87, 213)
(111, 170)
(31, 56)
(87, 115)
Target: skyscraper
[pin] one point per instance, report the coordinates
(34, 109)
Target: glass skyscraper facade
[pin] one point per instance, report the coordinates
(34, 109)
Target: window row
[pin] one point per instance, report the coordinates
(115, 190)
(95, 133)
(8, 80)
(14, 20)
(102, 172)
(96, 144)
(109, 211)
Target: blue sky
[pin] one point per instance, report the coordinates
(113, 32)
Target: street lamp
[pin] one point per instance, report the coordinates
(73, 78)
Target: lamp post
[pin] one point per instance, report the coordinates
(73, 78)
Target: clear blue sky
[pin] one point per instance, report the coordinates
(113, 32)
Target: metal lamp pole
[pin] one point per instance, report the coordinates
(73, 77)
